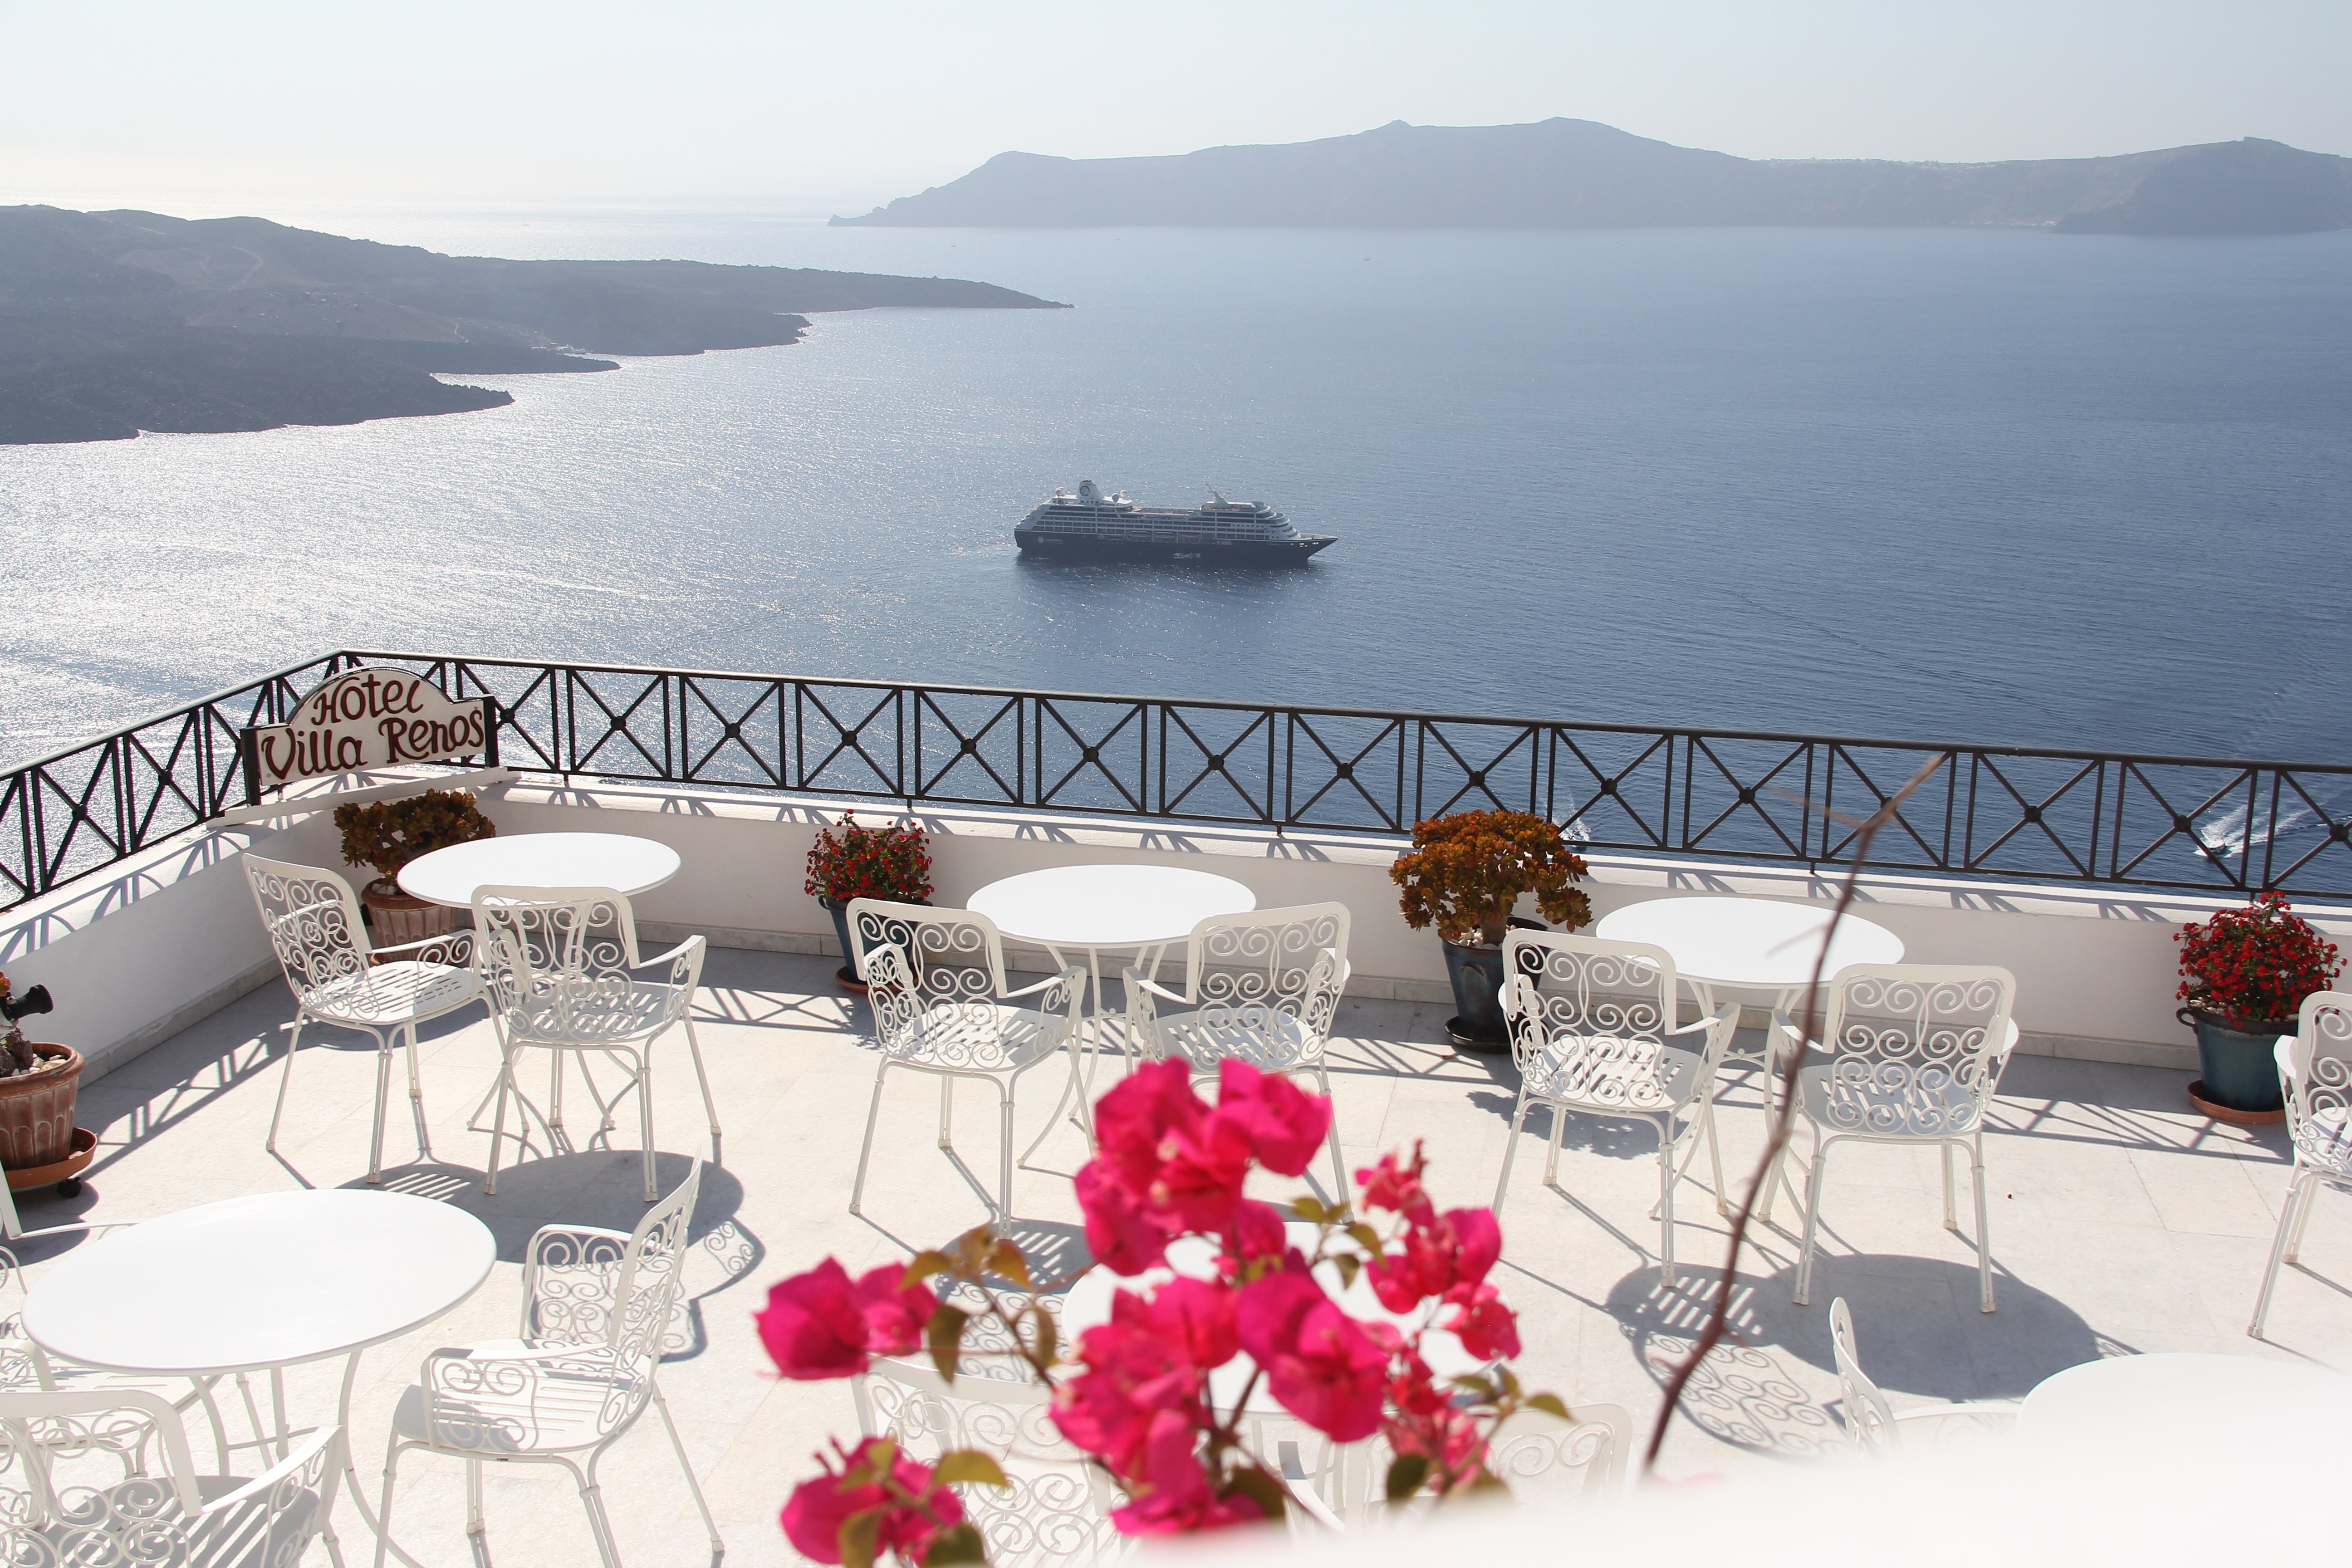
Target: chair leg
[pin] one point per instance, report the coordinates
(1814, 1180)
(710, 1106)
(1666, 1183)
(1510, 1148)
(1004, 1156)
(384, 1051)
(1951, 1215)
(947, 1109)
(293, 1040)
(646, 1116)
(599, 1524)
(383, 1503)
(499, 1119)
(1341, 1193)
(2281, 1249)
(1055, 1119)
(866, 1150)
(2303, 1220)
(692, 1485)
(1551, 1161)
(416, 1099)
(1984, 1218)
(474, 1524)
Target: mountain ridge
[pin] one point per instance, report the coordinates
(1581, 173)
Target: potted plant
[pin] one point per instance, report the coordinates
(2243, 976)
(1464, 875)
(385, 835)
(892, 863)
(39, 1085)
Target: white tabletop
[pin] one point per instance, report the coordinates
(1108, 906)
(272, 1280)
(1088, 1304)
(1758, 943)
(2185, 1402)
(627, 866)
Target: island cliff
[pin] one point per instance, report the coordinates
(115, 322)
(1575, 173)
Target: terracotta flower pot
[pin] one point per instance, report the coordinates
(395, 918)
(37, 1110)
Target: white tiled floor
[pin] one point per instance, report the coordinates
(2122, 1223)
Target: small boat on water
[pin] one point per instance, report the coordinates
(1095, 526)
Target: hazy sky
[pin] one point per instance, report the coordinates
(239, 105)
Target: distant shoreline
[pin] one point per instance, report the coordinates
(113, 323)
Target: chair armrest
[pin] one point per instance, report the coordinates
(1729, 1010)
(1136, 980)
(693, 945)
(323, 1447)
(459, 946)
(1075, 976)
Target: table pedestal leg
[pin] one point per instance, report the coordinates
(352, 1470)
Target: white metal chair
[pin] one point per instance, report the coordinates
(2314, 1068)
(1263, 988)
(339, 979)
(1914, 1054)
(1876, 1426)
(74, 1488)
(565, 977)
(1593, 1029)
(1057, 1509)
(1540, 1457)
(596, 1305)
(935, 979)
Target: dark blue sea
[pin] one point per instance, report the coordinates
(1979, 486)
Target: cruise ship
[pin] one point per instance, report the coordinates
(1093, 526)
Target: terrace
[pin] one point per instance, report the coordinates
(2122, 1221)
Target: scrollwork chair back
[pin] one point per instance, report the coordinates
(1057, 1509)
(1593, 1029)
(2314, 1068)
(338, 978)
(1262, 988)
(1540, 1457)
(68, 1496)
(1910, 1053)
(564, 973)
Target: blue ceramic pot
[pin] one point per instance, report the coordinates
(2238, 1065)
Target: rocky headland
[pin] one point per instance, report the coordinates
(115, 322)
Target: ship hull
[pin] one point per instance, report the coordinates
(1182, 552)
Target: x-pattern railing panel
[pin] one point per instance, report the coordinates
(1743, 795)
(971, 749)
(2222, 826)
(1091, 755)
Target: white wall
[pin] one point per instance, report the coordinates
(140, 953)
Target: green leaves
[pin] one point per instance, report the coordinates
(1549, 1404)
(1005, 1260)
(859, 1534)
(944, 1337)
(1044, 1344)
(1407, 1474)
(970, 1466)
(1262, 1489)
(958, 1543)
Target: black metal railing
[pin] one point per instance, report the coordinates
(2218, 825)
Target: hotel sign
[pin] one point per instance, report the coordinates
(368, 719)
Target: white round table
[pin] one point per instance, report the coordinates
(1091, 909)
(262, 1283)
(1748, 944)
(627, 866)
(1095, 907)
(1088, 1304)
(2182, 1403)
